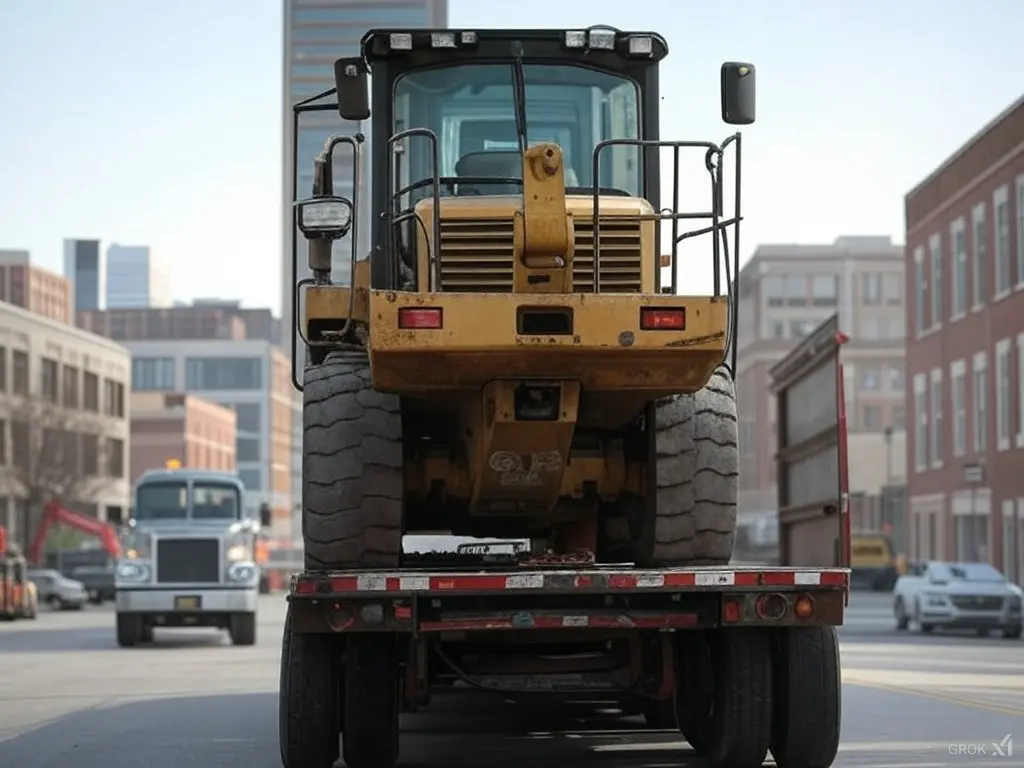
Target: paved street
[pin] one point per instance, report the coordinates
(69, 698)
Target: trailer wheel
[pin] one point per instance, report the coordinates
(129, 630)
(352, 467)
(307, 710)
(372, 676)
(694, 690)
(697, 478)
(740, 725)
(243, 629)
(808, 697)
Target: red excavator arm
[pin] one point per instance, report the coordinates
(55, 514)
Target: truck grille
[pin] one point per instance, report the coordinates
(188, 561)
(978, 603)
(477, 254)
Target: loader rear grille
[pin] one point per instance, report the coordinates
(476, 256)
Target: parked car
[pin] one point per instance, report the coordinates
(98, 581)
(961, 596)
(58, 591)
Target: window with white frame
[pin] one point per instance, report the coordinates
(935, 251)
(979, 264)
(958, 268)
(893, 288)
(895, 378)
(919, 286)
(936, 403)
(979, 402)
(920, 422)
(1003, 403)
(1020, 390)
(1020, 229)
(871, 288)
(1001, 214)
(958, 397)
(871, 378)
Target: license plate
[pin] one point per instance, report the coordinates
(187, 603)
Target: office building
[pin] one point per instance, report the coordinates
(175, 429)
(785, 291)
(200, 320)
(136, 278)
(34, 288)
(85, 265)
(251, 377)
(315, 35)
(63, 419)
(965, 351)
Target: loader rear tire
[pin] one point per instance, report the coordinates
(352, 500)
(693, 521)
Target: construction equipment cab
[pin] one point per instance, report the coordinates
(188, 557)
(517, 356)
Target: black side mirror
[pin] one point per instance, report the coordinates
(738, 93)
(350, 78)
(266, 515)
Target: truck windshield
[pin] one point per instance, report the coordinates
(471, 108)
(169, 501)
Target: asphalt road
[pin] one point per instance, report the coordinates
(70, 698)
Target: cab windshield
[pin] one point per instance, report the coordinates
(471, 108)
(169, 501)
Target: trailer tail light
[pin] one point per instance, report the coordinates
(771, 607)
(419, 319)
(732, 611)
(662, 319)
(804, 607)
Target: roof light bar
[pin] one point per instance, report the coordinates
(400, 41)
(602, 40)
(442, 39)
(641, 45)
(575, 39)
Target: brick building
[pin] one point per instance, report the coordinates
(965, 351)
(168, 426)
(33, 288)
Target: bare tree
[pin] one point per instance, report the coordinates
(56, 453)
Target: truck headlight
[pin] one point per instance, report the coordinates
(329, 217)
(137, 545)
(132, 570)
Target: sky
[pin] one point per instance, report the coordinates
(159, 122)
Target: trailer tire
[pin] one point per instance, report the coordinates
(242, 629)
(696, 478)
(808, 697)
(370, 732)
(129, 630)
(308, 699)
(694, 689)
(740, 729)
(352, 511)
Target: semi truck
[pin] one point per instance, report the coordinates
(188, 557)
(516, 354)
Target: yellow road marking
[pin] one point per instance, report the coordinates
(936, 696)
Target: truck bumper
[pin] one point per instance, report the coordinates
(972, 620)
(183, 601)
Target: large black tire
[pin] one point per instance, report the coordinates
(741, 715)
(372, 704)
(352, 500)
(807, 689)
(308, 699)
(243, 629)
(694, 690)
(697, 478)
(129, 630)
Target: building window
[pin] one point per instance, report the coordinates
(871, 418)
(958, 268)
(70, 386)
(871, 378)
(796, 290)
(778, 330)
(893, 284)
(798, 329)
(1020, 390)
(958, 396)
(209, 373)
(936, 403)
(971, 538)
(1020, 231)
(247, 449)
(871, 288)
(935, 251)
(919, 289)
(113, 398)
(115, 457)
(50, 372)
(774, 290)
(1001, 208)
(1003, 402)
(248, 417)
(825, 290)
(979, 402)
(252, 479)
(895, 378)
(91, 392)
(153, 373)
(19, 372)
(898, 417)
(920, 422)
(979, 265)
(3, 369)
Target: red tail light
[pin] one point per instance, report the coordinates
(659, 319)
(410, 318)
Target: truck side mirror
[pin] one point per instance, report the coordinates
(266, 515)
(350, 80)
(738, 93)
